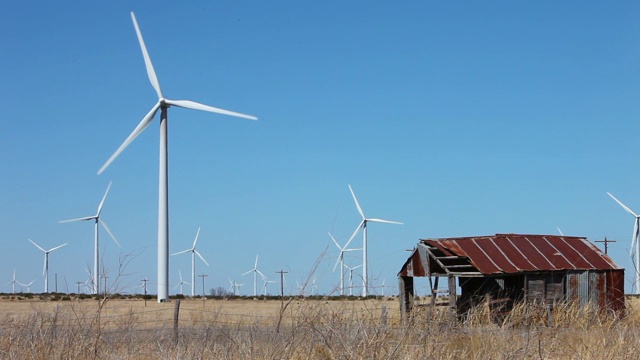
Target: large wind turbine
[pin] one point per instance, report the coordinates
(96, 249)
(634, 253)
(341, 262)
(45, 268)
(194, 252)
(255, 272)
(163, 105)
(363, 226)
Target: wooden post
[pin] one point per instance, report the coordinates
(453, 297)
(176, 312)
(434, 290)
(406, 294)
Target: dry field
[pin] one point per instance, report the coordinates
(301, 329)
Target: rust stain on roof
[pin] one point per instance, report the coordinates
(511, 253)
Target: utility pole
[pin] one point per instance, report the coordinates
(203, 276)
(282, 272)
(56, 282)
(606, 244)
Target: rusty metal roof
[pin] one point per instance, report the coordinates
(512, 253)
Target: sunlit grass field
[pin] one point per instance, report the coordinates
(302, 328)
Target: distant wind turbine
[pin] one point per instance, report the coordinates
(180, 283)
(363, 226)
(634, 252)
(351, 277)
(45, 268)
(163, 105)
(194, 252)
(96, 249)
(28, 286)
(341, 262)
(266, 282)
(13, 281)
(255, 272)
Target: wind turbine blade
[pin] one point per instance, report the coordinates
(623, 205)
(188, 104)
(264, 278)
(196, 239)
(182, 252)
(175, 287)
(147, 60)
(356, 200)
(634, 240)
(255, 266)
(356, 267)
(57, 247)
(246, 272)
(560, 231)
(44, 264)
(104, 224)
(335, 242)
(337, 262)
(78, 219)
(103, 199)
(200, 256)
(180, 273)
(146, 120)
(385, 221)
(38, 246)
(354, 233)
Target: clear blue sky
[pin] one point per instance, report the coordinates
(462, 119)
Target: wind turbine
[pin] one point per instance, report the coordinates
(363, 226)
(14, 281)
(96, 252)
(45, 268)
(266, 281)
(255, 272)
(341, 262)
(351, 277)
(634, 253)
(28, 286)
(180, 283)
(194, 252)
(235, 287)
(163, 105)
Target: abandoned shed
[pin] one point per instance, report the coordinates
(504, 269)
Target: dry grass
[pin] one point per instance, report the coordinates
(309, 329)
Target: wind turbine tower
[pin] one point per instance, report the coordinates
(163, 105)
(634, 252)
(45, 268)
(363, 226)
